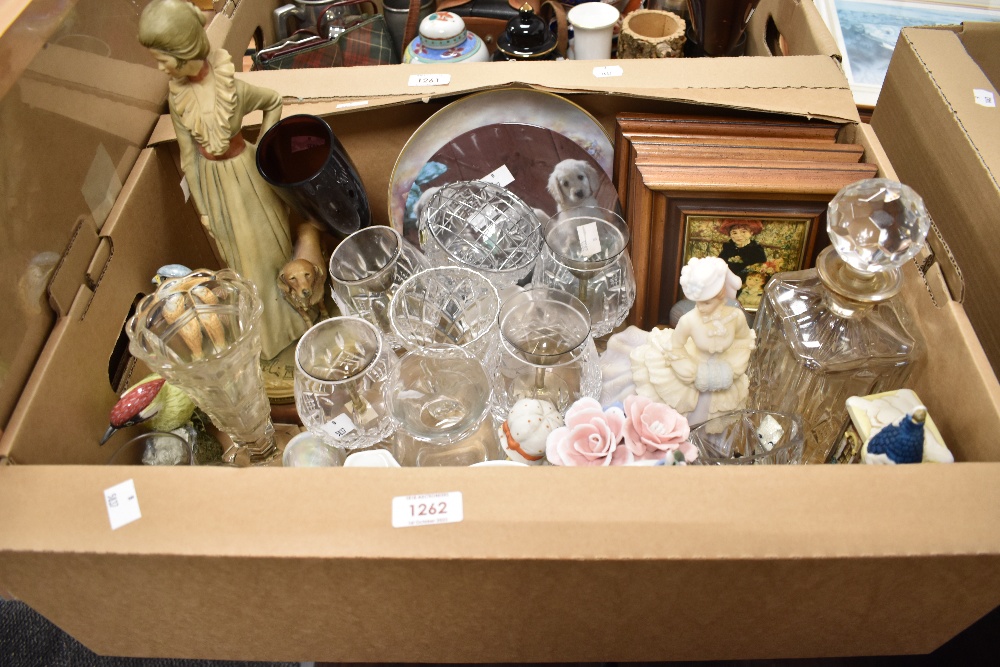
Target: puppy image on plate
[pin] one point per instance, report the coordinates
(573, 183)
(302, 281)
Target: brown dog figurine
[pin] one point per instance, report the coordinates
(302, 280)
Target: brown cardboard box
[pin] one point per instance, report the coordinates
(549, 564)
(947, 146)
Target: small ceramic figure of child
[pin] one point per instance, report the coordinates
(741, 251)
(699, 367)
(244, 216)
(753, 290)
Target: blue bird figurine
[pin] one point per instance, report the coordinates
(898, 443)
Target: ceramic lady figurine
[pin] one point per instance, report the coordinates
(244, 216)
(699, 367)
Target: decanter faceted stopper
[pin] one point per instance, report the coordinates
(877, 224)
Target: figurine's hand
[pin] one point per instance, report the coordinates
(204, 221)
(714, 375)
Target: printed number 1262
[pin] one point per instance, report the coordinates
(429, 509)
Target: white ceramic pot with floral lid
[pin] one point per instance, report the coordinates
(444, 39)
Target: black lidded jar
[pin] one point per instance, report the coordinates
(526, 37)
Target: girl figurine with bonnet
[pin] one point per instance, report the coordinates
(243, 215)
(699, 367)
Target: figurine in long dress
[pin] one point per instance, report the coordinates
(241, 212)
(699, 367)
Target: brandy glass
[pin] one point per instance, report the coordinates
(341, 366)
(366, 268)
(481, 227)
(448, 305)
(201, 332)
(584, 255)
(439, 399)
(546, 351)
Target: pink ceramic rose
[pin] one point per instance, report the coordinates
(591, 437)
(653, 429)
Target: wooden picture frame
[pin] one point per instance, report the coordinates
(711, 227)
(658, 196)
(707, 129)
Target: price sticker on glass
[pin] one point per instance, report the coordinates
(427, 509)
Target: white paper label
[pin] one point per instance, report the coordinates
(500, 177)
(984, 98)
(608, 71)
(590, 242)
(122, 503)
(348, 105)
(430, 79)
(186, 189)
(427, 509)
(339, 426)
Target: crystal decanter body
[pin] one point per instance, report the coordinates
(835, 331)
(816, 349)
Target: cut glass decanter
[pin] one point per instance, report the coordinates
(835, 331)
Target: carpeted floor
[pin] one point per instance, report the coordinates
(27, 639)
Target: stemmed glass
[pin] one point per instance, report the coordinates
(546, 351)
(584, 254)
(341, 365)
(366, 268)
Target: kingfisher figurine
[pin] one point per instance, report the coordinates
(902, 442)
(152, 400)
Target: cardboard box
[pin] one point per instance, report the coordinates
(549, 564)
(937, 117)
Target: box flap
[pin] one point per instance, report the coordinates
(980, 40)
(947, 148)
(810, 86)
(789, 28)
(149, 222)
(528, 572)
(79, 96)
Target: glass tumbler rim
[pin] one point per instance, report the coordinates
(409, 283)
(795, 419)
(389, 265)
(337, 320)
(568, 215)
(149, 435)
(523, 297)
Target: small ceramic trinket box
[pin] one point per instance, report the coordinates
(444, 39)
(883, 428)
(528, 425)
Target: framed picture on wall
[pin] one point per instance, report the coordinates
(866, 32)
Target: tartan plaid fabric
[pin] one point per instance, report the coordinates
(367, 42)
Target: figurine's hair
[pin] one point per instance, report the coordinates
(175, 27)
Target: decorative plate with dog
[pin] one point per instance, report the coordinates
(513, 138)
